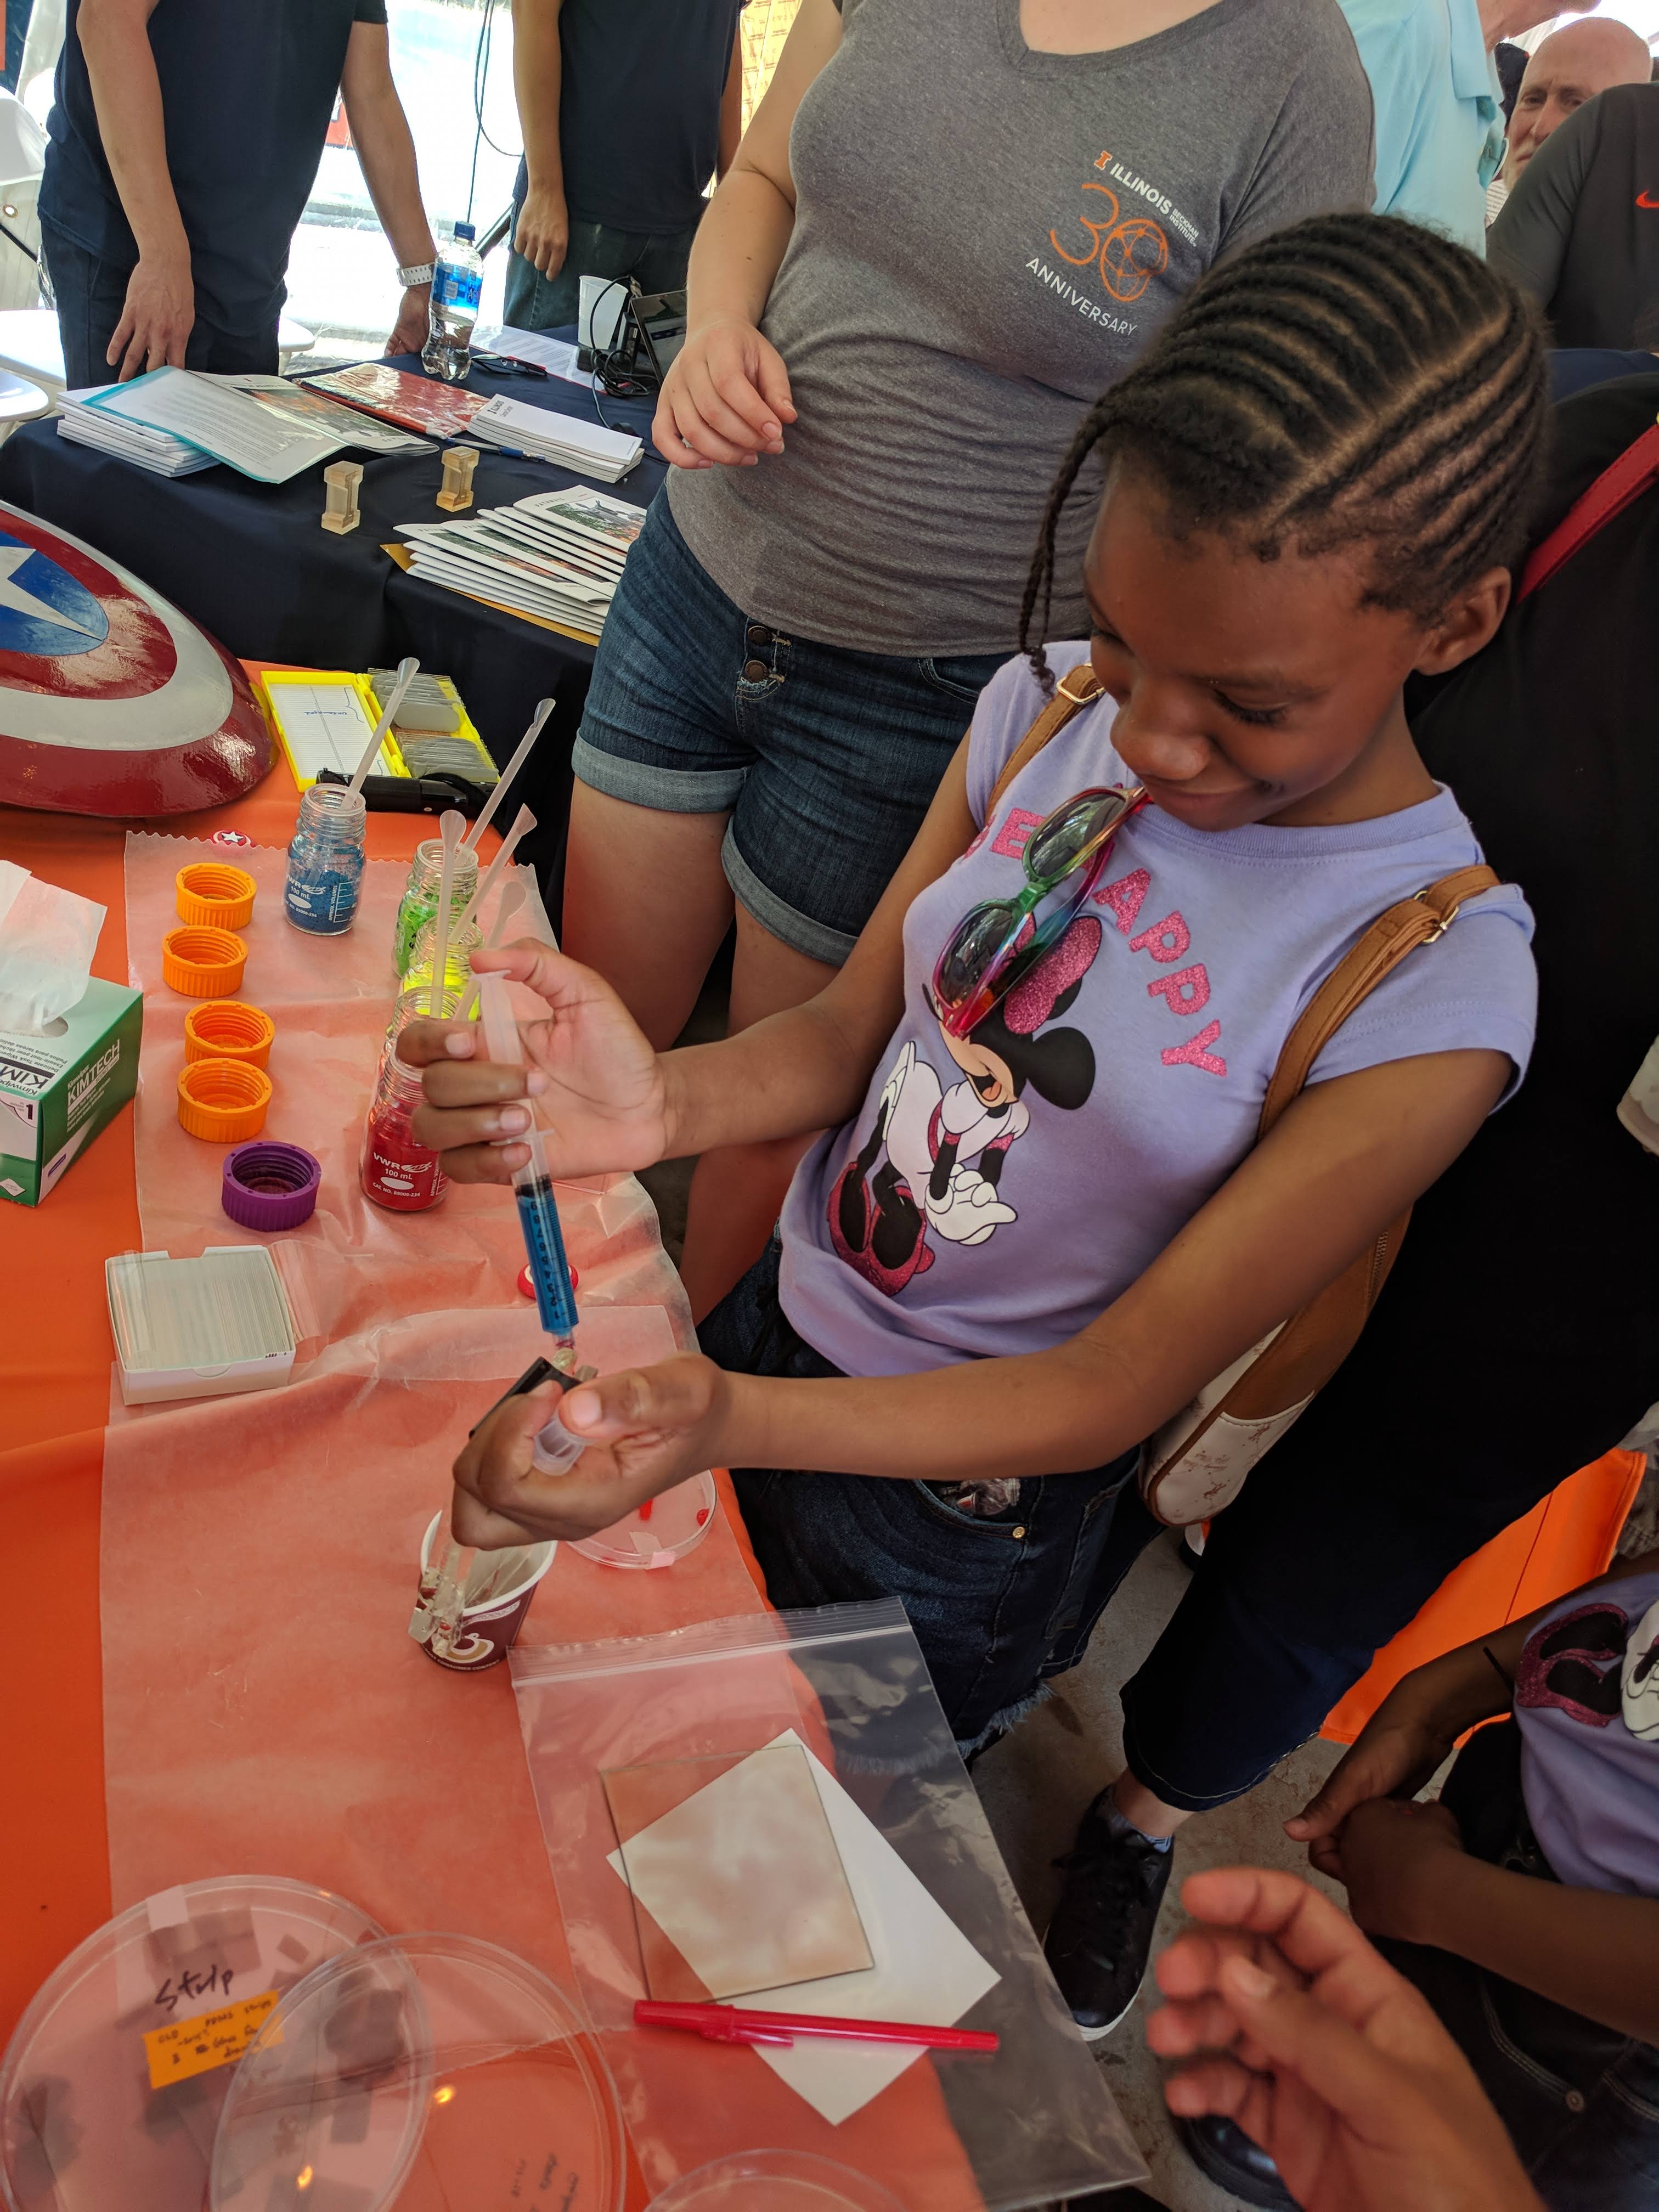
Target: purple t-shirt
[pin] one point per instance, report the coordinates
(995, 1195)
(1587, 1702)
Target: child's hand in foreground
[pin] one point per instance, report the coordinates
(599, 1087)
(649, 1429)
(1296, 2029)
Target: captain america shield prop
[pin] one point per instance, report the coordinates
(111, 701)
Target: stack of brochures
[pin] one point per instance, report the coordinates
(587, 449)
(556, 556)
(263, 426)
(146, 448)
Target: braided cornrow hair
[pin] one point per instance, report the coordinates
(1354, 379)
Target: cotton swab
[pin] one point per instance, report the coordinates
(511, 899)
(407, 672)
(451, 825)
(521, 828)
(470, 843)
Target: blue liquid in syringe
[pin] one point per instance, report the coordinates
(544, 1241)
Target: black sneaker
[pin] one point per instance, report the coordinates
(1220, 2148)
(1101, 1936)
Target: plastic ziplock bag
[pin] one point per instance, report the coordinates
(945, 2132)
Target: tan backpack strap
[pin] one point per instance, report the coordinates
(1079, 687)
(1416, 921)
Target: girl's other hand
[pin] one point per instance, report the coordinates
(725, 399)
(599, 1085)
(653, 1427)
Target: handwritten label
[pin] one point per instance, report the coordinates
(215, 1982)
(185, 2047)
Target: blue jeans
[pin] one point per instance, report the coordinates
(998, 1605)
(1581, 2101)
(90, 294)
(826, 759)
(535, 302)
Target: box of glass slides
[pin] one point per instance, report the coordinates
(198, 1328)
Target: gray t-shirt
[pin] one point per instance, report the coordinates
(985, 239)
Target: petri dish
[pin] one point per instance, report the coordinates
(660, 1531)
(112, 2086)
(422, 2072)
(774, 2181)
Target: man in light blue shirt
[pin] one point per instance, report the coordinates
(1439, 105)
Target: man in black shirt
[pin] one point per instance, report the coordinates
(1580, 228)
(628, 107)
(184, 140)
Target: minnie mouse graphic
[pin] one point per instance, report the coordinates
(946, 1150)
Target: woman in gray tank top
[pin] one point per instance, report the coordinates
(952, 224)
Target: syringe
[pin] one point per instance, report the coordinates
(533, 1186)
(438, 1610)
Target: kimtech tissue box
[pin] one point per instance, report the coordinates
(58, 1090)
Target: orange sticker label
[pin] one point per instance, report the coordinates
(185, 2047)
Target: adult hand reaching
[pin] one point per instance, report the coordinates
(1294, 2027)
(157, 316)
(542, 234)
(603, 1100)
(653, 1427)
(414, 324)
(725, 398)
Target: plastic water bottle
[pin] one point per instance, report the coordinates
(456, 290)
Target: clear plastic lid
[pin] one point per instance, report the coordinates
(111, 2088)
(774, 2181)
(658, 1531)
(427, 2072)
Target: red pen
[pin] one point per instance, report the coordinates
(732, 2024)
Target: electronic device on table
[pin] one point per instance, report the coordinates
(645, 333)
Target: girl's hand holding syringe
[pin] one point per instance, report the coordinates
(502, 1498)
(599, 1087)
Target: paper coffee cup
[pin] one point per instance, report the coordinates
(489, 1626)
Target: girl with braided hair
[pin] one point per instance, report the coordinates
(1316, 483)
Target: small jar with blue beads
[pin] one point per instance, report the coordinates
(326, 860)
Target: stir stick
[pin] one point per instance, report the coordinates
(511, 900)
(451, 824)
(470, 843)
(407, 672)
(521, 828)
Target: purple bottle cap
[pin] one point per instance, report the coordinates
(270, 1185)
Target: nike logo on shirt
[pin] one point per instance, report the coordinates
(1643, 201)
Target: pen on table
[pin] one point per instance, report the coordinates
(730, 2024)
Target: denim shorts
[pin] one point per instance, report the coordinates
(826, 759)
(998, 1606)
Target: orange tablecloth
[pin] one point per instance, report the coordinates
(54, 1386)
(54, 1383)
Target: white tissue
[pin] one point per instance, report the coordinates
(48, 938)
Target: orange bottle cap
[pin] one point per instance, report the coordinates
(225, 1028)
(223, 1101)
(208, 891)
(203, 963)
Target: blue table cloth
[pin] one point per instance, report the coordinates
(252, 564)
